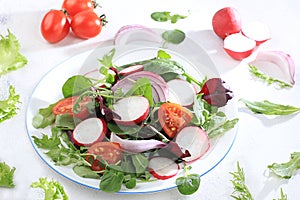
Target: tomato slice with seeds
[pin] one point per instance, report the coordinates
(65, 106)
(173, 117)
(110, 152)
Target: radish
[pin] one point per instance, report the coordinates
(131, 69)
(162, 167)
(239, 46)
(89, 131)
(195, 140)
(131, 110)
(183, 92)
(226, 21)
(257, 31)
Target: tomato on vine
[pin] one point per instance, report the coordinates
(55, 26)
(86, 24)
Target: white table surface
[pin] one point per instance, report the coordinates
(260, 141)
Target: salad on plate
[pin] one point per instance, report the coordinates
(126, 125)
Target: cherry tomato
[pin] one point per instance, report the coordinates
(110, 152)
(173, 117)
(86, 24)
(55, 26)
(75, 6)
(65, 106)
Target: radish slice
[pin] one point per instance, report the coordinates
(257, 31)
(131, 110)
(131, 69)
(162, 167)
(239, 46)
(89, 131)
(159, 86)
(137, 146)
(278, 59)
(183, 92)
(132, 33)
(195, 140)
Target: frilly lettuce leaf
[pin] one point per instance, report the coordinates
(10, 57)
(8, 107)
(53, 189)
(6, 175)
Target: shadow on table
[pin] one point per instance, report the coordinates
(213, 45)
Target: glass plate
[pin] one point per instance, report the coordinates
(134, 47)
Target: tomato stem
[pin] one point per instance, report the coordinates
(104, 20)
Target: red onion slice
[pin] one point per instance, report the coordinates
(137, 146)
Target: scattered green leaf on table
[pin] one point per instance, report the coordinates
(6, 175)
(241, 191)
(166, 16)
(269, 108)
(10, 57)
(8, 107)
(287, 169)
(53, 189)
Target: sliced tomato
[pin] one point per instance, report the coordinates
(173, 117)
(110, 152)
(65, 106)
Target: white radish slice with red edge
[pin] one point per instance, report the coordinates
(182, 92)
(257, 31)
(89, 131)
(162, 167)
(131, 110)
(131, 69)
(239, 46)
(276, 64)
(195, 140)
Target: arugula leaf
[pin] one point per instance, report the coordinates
(6, 175)
(44, 117)
(189, 183)
(270, 80)
(66, 122)
(221, 127)
(8, 107)
(142, 87)
(241, 191)
(75, 85)
(10, 57)
(166, 16)
(173, 36)
(269, 108)
(53, 189)
(287, 169)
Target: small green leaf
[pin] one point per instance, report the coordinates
(44, 117)
(111, 180)
(6, 175)
(8, 107)
(75, 85)
(173, 36)
(107, 58)
(160, 16)
(163, 54)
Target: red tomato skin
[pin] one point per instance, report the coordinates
(75, 6)
(86, 24)
(55, 26)
(65, 107)
(109, 151)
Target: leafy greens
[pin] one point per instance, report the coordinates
(8, 107)
(6, 175)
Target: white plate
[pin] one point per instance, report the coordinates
(195, 61)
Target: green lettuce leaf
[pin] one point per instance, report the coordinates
(6, 175)
(8, 107)
(10, 57)
(53, 189)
